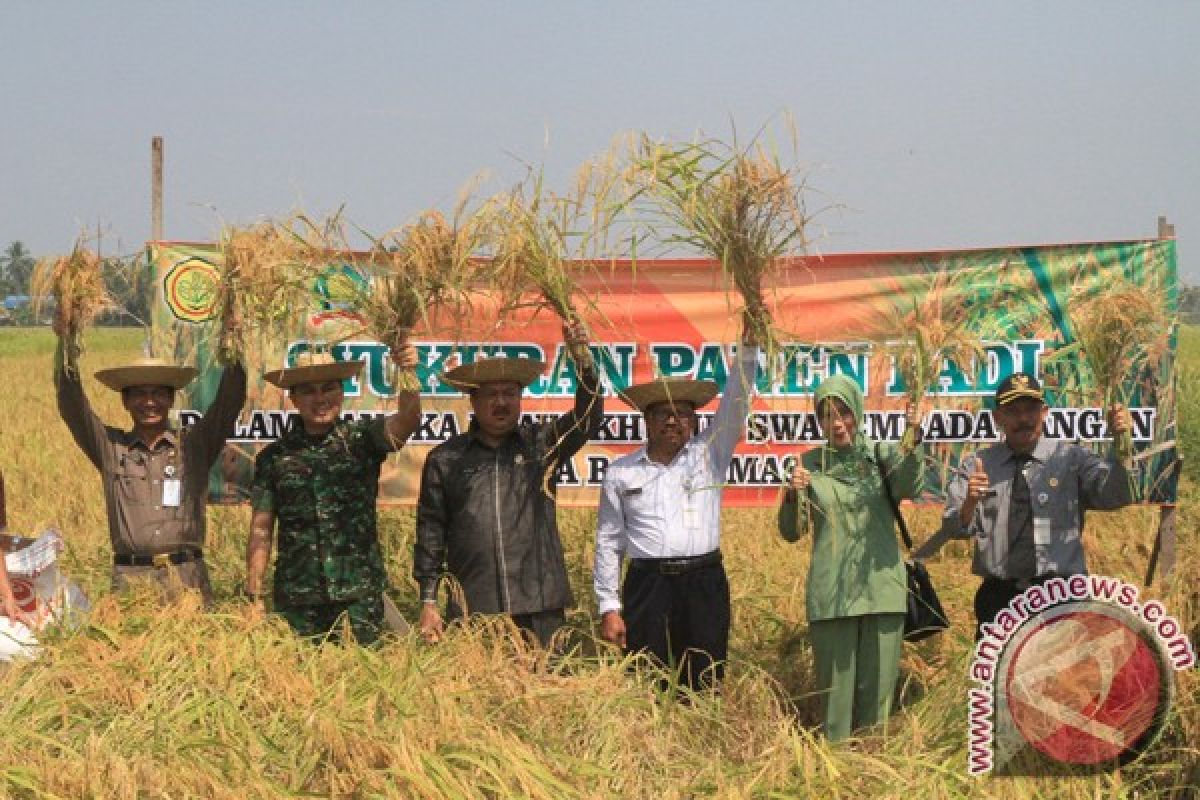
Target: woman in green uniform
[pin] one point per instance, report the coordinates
(856, 591)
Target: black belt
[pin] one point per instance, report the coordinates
(675, 566)
(158, 560)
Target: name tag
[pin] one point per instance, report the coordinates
(1041, 532)
(631, 492)
(172, 491)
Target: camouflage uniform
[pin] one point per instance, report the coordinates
(322, 491)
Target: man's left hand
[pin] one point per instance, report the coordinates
(1119, 420)
(575, 336)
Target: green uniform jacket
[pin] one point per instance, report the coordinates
(322, 490)
(856, 564)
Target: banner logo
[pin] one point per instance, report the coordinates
(1075, 673)
(190, 290)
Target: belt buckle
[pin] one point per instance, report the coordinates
(673, 567)
(161, 560)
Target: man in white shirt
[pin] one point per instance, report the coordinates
(661, 507)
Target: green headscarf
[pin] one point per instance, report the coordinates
(847, 391)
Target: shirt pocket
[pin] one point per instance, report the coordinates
(131, 481)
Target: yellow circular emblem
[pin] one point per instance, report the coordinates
(190, 290)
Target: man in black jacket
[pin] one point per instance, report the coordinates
(486, 512)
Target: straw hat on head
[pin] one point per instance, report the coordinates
(313, 368)
(146, 371)
(468, 377)
(669, 390)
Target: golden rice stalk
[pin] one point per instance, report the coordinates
(429, 266)
(266, 280)
(1116, 332)
(542, 243)
(931, 327)
(76, 282)
(740, 206)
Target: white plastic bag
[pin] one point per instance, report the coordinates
(44, 595)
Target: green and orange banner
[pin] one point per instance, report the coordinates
(675, 318)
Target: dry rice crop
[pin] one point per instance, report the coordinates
(738, 205)
(76, 282)
(144, 702)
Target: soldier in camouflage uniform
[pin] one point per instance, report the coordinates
(319, 482)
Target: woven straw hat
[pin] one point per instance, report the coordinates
(466, 377)
(146, 372)
(313, 368)
(669, 390)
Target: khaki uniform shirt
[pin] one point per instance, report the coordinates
(133, 472)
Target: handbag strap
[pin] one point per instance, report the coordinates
(887, 490)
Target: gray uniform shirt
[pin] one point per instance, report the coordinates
(133, 473)
(1065, 480)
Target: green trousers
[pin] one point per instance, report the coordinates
(318, 622)
(857, 660)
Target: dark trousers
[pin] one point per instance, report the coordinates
(681, 620)
(542, 624)
(994, 595)
(326, 621)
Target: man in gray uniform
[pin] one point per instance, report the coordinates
(1022, 501)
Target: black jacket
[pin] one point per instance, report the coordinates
(487, 516)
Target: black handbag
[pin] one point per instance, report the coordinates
(923, 616)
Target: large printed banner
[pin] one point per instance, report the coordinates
(674, 318)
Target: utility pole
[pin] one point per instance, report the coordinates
(1163, 553)
(156, 188)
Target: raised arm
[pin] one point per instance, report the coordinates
(86, 428)
(218, 421)
(1104, 483)
(726, 429)
(407, 418)
(572, 430)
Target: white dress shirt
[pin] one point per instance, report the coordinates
(652, 510)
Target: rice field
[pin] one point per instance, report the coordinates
(147, 703)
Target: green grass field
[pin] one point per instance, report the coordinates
(144, 702)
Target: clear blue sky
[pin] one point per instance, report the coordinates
(935, 124)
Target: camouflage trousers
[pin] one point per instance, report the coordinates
(328, 620)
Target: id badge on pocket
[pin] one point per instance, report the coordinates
(172, 492)
(1041, 531)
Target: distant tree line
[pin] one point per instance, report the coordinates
(127, 279)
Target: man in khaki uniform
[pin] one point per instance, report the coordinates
(155, 478)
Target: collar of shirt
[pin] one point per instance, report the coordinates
(642, 455)
(515, 437)
(1040, 453)
(170, 438)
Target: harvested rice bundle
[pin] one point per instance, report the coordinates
(266, 281)
(740, 206)
(932, 327)
(76, 282)
(1116, 333)
(543, 243)
(426, 267)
